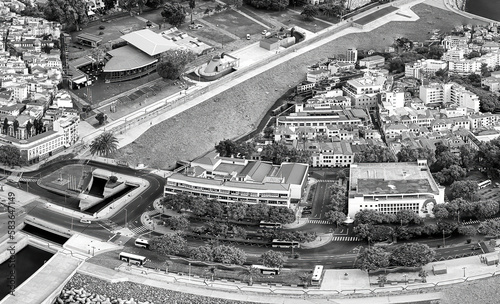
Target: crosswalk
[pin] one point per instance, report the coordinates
(108, 224)
(345, 239)
(138, 230)
(471, 222)
(30, 180)
(321, 222)
(327, 181)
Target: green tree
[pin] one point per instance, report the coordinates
(173, 63)
(71, 13)
(101, 118)
(374, 154)
(268, 132)
(449, 175)
(372, 259)
(486, 209)
(128, 5)
(237, 211)
(29, 125)
(489, 155)
(174, 13)
(278, 153)
(109, 4)
(468, 157)
(410, 154)
(465, 189)
(273, 259)
(192, 6)
(412, 255)
(368, 216)
(281, 215)
(177, 222)
(467, 230)
(169, 244)
(489, 227)
(229, 255)
(258, 212)
(381, 233)
(10, 155)
(202, 253)
(423, 274)
(15, 126)
(363, 231)
(105, 145)
(440, 211)
(309, 12)
(336, 217)
(249, 273)
(5, 126)
(154, 4)
(215, 209)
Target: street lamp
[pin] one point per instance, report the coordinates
(405, 278)
(126, 217)
(443, 239)
(189, 271)
(464, 270)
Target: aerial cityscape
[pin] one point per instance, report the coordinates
(248, 151)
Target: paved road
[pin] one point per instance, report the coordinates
(134, 209)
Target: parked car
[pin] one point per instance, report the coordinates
(306, 212)
(248, 36)
(307, 208)
(264, 32)
(85, 221)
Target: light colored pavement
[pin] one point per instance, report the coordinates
(46, 281)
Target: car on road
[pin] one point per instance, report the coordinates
(248, 36)
(85, 221)
(306, 212)
(307, 208)
(264, 32)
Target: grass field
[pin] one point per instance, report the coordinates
(235, 23)
(240, 109)
(291, 18)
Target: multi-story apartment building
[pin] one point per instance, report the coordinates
(483, 120)
(353, 118)
(331, 154)
(364, 91)
(491, 83)
(465, 66)
(455, 42)
(453, 55)
(372, 62)
(424, 67)
(449, 93)
(391, 187)
(230, 180)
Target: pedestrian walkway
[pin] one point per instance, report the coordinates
(30, 180)
(320, 222)
(345, 239)
(327, 180)
(138, 230)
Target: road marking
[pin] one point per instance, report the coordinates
(105, 228)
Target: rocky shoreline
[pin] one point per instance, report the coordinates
(87, 289)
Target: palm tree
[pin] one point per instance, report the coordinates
(192, 5)
(309, 12)
(305, 278)
(250, 273)
(382, 279)
(105, 145)
(423, 274)
(212, 270)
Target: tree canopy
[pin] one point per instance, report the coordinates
(279, 153)
(169, 244)
(173, 63)
(105, 145)
(174, 13)
(10, 155)
(375, 154)
(71, 13)
(412, 255)
(373, 258)
(272, 258)
(274, 5)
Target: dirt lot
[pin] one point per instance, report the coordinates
(239, 110)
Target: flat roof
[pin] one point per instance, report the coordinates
(376, 15)
(89, 37)
(391, 178)
(149, 42)
(127, 58)
(229, 168)
(293, 172)
(82, 61)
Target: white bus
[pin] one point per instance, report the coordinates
(317, 275)
(267, 270)
(132, 258)
(285, 244)
(143, 243)
(264, 224)
(484, 184)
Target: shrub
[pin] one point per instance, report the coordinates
(102, 27)
(113, 179)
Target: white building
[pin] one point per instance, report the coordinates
(364, 91)
(331, 154)
(422, 67)
(391, 187)
(229, 180)
(62, 100)
(455, 42)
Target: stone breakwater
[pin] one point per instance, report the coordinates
(83, 289)
(73, 296)
(460, 4)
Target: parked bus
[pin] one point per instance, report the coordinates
(484, 184)
(285, 244)
(264, 224)
(267, 270)
(142, 243)
(317, 275)
(132, 258)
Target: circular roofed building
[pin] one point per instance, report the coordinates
(138, 58)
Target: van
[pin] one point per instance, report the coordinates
(85, 221)
(248, 36)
